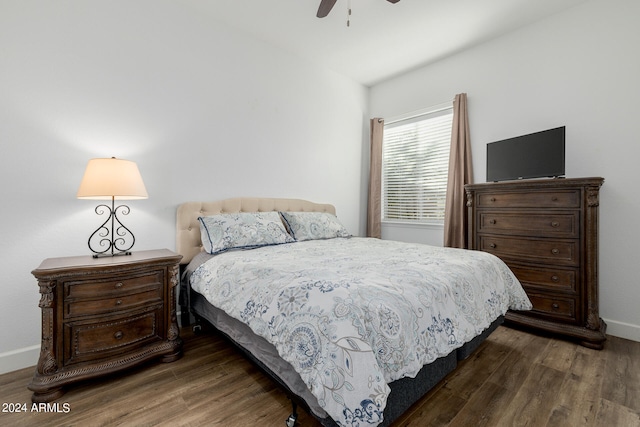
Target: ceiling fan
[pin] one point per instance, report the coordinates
(327, 5)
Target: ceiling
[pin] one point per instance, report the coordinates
(383, 39)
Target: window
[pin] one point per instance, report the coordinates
(415, 163)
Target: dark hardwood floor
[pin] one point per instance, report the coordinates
(514, 379)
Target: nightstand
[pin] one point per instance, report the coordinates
(102, 315)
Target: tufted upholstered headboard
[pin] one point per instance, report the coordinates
(188, 228)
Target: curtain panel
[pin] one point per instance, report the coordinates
(374, 204)
(460, 174)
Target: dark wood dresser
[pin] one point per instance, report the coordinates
(547, 233)
(103, 315)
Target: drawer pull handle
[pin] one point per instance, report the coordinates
(555, 224)
(118, 335)
(492, 221)
(555, 278)
(554, 199)
(493, 199)
(555, 251)
(118, 285)
(118, 302)
(555, 306)
(492, 245)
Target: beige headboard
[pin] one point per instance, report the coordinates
(188, 228)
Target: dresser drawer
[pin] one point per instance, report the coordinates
(90, 340)
(555, 279)
(113, 285)
(119, 302)
(557, 307)
(530, 199)
(561, 225)
(553, 252)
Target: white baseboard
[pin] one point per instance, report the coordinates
(19, 359)
(623, 330)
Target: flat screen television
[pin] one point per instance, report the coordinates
(535, 155)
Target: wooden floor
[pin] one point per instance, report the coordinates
(514, 379)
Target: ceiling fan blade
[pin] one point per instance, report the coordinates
(325, 8)
(393, 1)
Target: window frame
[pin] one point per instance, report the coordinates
(445, 109)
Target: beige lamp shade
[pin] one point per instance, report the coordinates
(112, 178)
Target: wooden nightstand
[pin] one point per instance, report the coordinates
(103, 315)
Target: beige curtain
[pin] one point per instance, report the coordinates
(374, 205)
(460, 173)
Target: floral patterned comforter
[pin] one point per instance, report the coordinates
(352, 315)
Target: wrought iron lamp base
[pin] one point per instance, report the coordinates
(113, 240)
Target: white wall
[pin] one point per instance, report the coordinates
(579, 69)
(205, 111)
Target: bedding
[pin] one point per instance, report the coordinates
(352, 315)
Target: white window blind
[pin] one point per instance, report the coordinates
(415, 162)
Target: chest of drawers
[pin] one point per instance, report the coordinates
(547, 233)
(102, 315)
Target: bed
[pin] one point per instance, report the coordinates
(346, 325)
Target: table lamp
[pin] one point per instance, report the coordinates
(108, 179)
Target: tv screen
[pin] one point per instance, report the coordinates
(536, 155)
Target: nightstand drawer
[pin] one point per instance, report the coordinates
(553, 252)
(530, 199)
(113, 285)
(87, 341)
(560, 225)
(117, 303)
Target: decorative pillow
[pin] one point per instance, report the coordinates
(242, 230)
(313, 225)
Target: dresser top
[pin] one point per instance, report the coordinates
(50, 265)
(537, 183)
